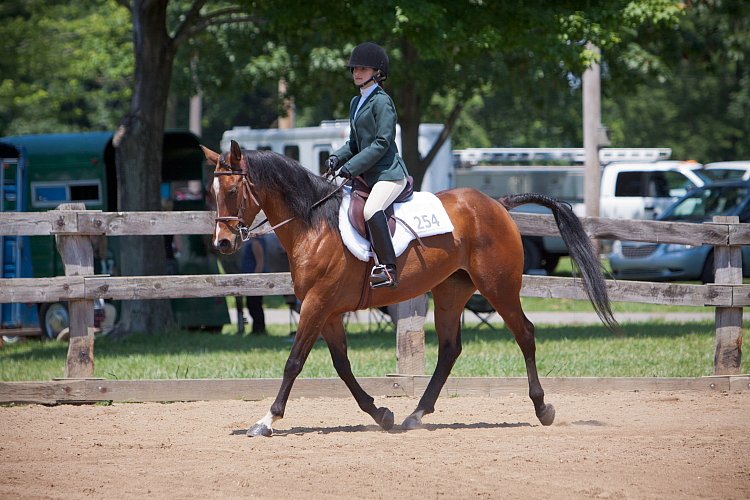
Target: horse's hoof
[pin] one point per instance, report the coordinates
(259, 430)
(384, 418)
(412, 422)
(547, 415)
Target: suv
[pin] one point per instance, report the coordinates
(663, 261)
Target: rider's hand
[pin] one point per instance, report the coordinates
(332, 163)
(345, 173)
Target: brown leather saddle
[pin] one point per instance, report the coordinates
(360, 192)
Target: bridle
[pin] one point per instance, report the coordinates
(246, 192)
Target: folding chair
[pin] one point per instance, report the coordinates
(482, 309)
(378, 320)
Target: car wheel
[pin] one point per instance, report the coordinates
(53, 319)
(707, 275)
(532, 255)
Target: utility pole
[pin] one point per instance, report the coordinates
(592, 117)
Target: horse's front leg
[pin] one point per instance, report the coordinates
(310, 324)
(335, 337)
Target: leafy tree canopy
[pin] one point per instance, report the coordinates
(66, 66)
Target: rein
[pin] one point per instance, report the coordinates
(246, 192)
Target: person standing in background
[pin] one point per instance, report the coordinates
(254, 261)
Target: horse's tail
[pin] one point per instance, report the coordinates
(580, 249)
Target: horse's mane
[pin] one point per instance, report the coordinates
(299, 188)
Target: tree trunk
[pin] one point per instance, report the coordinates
(138, 155)
(409, 119)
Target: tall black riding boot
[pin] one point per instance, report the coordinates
(383, 274)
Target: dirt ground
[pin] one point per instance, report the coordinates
(610, 445)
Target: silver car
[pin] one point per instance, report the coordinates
(667, 262)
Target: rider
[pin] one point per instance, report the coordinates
(371, 152)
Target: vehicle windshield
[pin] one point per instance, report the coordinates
(707, 202)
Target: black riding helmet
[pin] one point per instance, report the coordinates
(369, 55)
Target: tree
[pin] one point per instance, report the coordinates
(66, 66)
(448, 52)
(138, 140)
(696, 97)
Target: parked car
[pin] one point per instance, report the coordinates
(665, 262)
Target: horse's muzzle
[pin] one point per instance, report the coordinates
(226, 246)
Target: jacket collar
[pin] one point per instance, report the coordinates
(367, 100)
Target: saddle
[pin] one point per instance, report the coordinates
(360, 193)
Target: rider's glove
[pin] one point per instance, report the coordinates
(332, 163)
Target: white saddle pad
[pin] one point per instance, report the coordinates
(424, 213)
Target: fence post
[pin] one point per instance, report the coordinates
(410, 317)
(728, 270)
(77, 254)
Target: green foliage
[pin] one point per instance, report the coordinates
(674, 74)
(65, 66)
(699, 103)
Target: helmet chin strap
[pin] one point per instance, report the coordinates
(377, 78)
(371, 79)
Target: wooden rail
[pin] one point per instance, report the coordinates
(92, 390)
(72, 224)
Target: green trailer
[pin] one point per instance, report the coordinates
(80, 167)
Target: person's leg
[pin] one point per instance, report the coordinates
(382, 195)
(255, 308)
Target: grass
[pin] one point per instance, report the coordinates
(641, 350)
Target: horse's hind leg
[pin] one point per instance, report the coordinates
(335, 337)
(450, 298)
(509, 308)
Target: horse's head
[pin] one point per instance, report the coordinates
(236, 205)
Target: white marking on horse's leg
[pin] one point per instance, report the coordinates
(418, 414)
(268, 420)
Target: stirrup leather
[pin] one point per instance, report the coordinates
(383, 275)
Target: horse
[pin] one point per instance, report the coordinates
(484, 253)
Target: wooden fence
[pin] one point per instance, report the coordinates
(72, 226)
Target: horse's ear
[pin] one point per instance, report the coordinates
(210, 155)
(236, 151)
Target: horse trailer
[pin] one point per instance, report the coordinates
(40, 172)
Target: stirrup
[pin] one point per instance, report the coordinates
(381, 276)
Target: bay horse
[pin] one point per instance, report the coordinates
(484, 253)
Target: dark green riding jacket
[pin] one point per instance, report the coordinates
(371, 150)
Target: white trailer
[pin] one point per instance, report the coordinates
(636, 183)
(311, 146)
